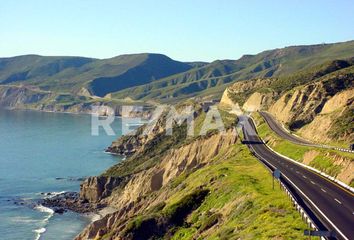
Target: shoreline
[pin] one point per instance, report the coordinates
(65, 202)
(48, 111)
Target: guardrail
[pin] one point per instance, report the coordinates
(331, 178)
(304, 215)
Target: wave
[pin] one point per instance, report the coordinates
(50, 212)
(44, 209)
(50, 194)
(38, 232)
(53, 194)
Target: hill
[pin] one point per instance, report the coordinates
(70, 81)
(213, 78)
(99, 77)
(320, 98)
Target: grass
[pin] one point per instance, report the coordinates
(240, 203)
(155, 149)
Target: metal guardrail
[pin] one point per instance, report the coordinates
(304, 215)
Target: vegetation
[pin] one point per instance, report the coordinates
(154, 76)
(154, 150)
(71, 74)
(343, 126)
(213, 78)
(229, 199)
(286, 83)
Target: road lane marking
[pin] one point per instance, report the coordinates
(313, 183)
(304, 176)
(339, 185)
(297, 172)
(323, 190)
(308, 199)
(314, 205)
(338, 201)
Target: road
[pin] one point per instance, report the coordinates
(328, 204)
(278, 129)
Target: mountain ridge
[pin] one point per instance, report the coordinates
(145, 77)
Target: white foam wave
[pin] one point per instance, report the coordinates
(41, 208)
(38, 232)
(53, 194)
(50, 194)
(50, 213)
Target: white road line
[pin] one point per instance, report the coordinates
(304, 176)
(313, 182)
(338, 201)
(297, 172)
(308, 199)
(313, 204)
(323, 190)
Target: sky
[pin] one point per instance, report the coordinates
(185, 30)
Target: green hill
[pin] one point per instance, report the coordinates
(144, 77)
(36, 68)
(70, 74)
(214, 77)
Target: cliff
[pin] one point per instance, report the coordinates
(172, 184)
(94, 189)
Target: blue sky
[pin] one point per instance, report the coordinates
(184, 30)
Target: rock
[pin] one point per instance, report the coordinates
(69, 201)
(94, 189)
(59, 210)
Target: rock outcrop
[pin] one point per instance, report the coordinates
(94, 189)
(258, 101)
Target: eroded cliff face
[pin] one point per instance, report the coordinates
(136, 192)
(176, 161)
(316, 109)
(322, 126)
(94, 189)
(18, 97)
(301, 105)
(243, 94)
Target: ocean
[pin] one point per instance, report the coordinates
(46, 153)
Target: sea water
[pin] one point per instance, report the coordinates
(41, 153)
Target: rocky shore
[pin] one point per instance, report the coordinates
(92, 190)
(70, 201)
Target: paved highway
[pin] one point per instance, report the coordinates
(330, 205)
(278, 129)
